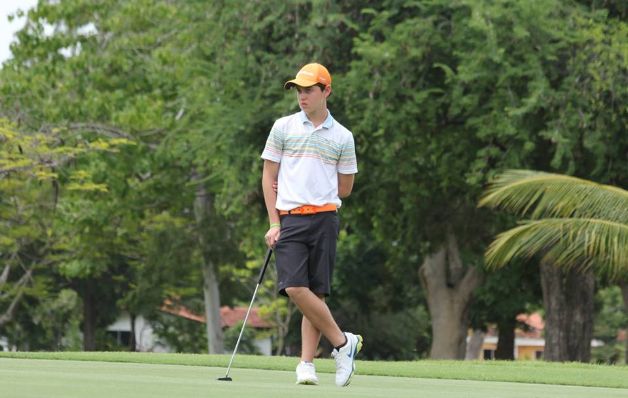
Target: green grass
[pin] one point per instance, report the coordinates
(538, 372)
(121, 375)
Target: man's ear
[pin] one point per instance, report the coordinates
(327, 91)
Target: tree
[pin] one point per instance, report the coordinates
(443, 95)
(574, 224)
(35, 169)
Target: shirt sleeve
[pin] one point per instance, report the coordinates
(274, 145)
(348, 164)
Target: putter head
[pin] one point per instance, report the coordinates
(226, 378)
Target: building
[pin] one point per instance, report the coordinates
(529, 341)
(147, 341)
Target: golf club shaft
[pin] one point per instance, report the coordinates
(261, 277)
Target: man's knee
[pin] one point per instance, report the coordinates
(296, 291)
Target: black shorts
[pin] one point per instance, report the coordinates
(305, 254)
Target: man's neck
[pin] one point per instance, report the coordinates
(317, 118)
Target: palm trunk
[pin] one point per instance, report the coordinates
(568, 301)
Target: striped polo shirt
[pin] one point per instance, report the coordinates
(310, 160)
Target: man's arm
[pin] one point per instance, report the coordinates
(269, 176)
(345, 184)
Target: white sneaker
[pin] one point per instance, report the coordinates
(306, 373)
(345, 359)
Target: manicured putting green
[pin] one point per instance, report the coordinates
(30, 378)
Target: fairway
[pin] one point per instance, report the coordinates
(31, 378)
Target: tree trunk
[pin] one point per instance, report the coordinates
(90, 314)
(132, 339)
(506, 340)
(211, 295)
(449, 288)
(474, 348)
(624, 292)
(211, 292)
(568, 300)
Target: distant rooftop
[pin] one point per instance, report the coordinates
(228, 316)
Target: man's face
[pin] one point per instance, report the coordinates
(312, 99)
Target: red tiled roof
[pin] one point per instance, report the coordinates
(534, 325)
(534, 320)
(228, 316)
(231, 316)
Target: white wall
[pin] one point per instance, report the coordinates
(145, 337)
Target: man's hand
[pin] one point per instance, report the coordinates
(272, 236)
(275, 184)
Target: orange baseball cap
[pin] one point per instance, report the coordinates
(310, 75)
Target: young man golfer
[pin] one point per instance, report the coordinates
(312, 158)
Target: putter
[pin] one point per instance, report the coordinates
(259, 282)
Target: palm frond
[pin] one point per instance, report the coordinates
(545, 195)
(566, 242)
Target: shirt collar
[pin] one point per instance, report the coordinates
(329, 121)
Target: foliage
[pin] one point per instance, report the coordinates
(247, 342)
(59, 319)
(507, 293)
(611, 317)
(181, 335)
(36, 167)
(574, 222)
(369, 296)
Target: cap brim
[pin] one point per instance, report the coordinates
(299, 82)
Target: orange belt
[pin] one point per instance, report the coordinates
(307, 209)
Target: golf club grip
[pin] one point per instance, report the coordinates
(266, 261)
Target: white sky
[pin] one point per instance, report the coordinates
(8, 29)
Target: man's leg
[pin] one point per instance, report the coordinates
(310, 338)
(347, 345)
(317, 313)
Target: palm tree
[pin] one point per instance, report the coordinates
(575, 227)
(572, 222)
